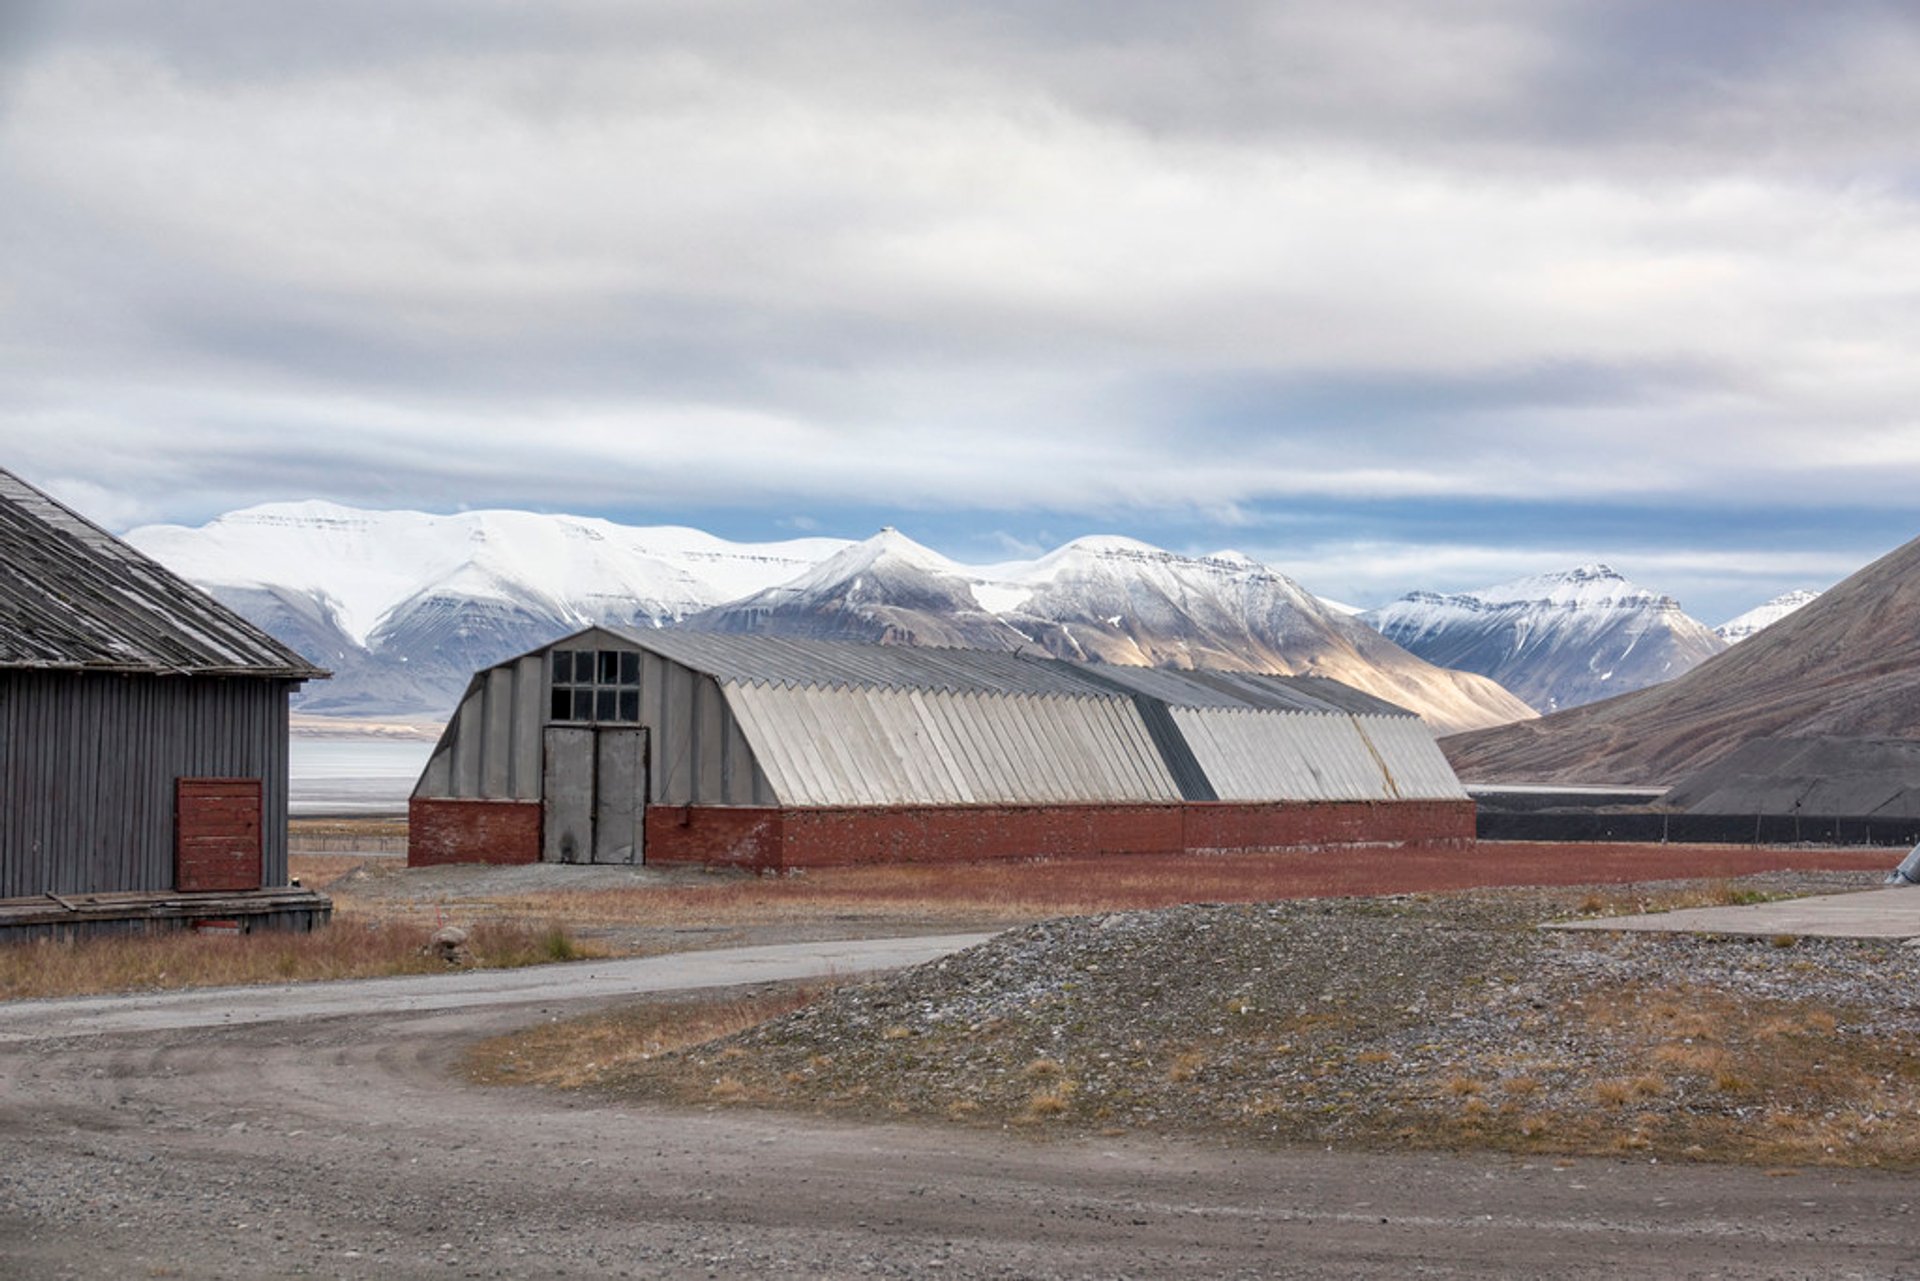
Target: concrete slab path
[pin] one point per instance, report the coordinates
(1889, 913)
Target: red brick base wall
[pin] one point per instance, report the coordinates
(472, 832)
(1226, 825)
(716, 835)
(772, 839)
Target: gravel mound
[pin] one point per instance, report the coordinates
(1443, 1020)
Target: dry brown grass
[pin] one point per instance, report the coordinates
(371, 826)
(1715, 892)
(1048, 1101)
(1701, 1074)
(1010, 892)
(992, 892)
(570, 1053)
(341, 951)
(1186, 1065)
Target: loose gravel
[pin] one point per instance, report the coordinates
(1429, 1021)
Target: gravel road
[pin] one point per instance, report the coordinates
(345, 1146)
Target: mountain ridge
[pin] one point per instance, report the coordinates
(1845, 665)
(1556, 640)
(407, 605)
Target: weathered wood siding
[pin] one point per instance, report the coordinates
(88, 764)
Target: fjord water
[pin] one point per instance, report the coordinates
(353, 774)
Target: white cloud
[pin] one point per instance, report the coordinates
(993, 258)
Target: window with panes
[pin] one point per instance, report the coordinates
(601, 685)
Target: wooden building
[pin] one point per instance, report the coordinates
(625, 746)
(143, 741)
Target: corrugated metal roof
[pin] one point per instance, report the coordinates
(1263, 756)
(1259, 690)
(1255, 756)
(75, 598)
(778, 660)
(1412, 758)
(867, 746)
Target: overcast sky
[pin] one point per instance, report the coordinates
(1391, 294)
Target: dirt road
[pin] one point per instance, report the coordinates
(343, 1146)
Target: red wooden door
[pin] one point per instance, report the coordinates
(217, 834)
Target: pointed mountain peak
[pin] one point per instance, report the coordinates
(884, 551)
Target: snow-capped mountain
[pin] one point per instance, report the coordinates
(887, 590)
(1735, 630)
(1556, 640)
(404, 607)
(1110, 600)
(1846, 667)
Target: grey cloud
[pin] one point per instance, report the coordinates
(985, 256)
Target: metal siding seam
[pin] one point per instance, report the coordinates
(933, 775)
(1033, 777)
(782, 752)
(1121, 764)
(708, 783)
(879, 777)
(967, 750)
(740, 699)
(496, 767)
(794, 756)
(1337, 756)
(1091, 760)
(870, 730)
(1417, 760)
(738, 765)
(996, 745)
(936, 760)
(1054, 741)
(1110, 753)
(904, 748)
(1100, 779)
(1365, 781)
(1391, 788)
(1109, 766)
(1150, 772)
(653, 714)
(934, 727)
(840, 769)
(1114, 760)
(824, 782)
(1198, 731)
(1013, 774)
(768, 753)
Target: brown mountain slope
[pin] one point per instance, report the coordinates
(1847, 665)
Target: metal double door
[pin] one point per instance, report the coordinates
(594, 781)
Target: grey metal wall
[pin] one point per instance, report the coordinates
(491, 749)
(936, 747)
(1307, 756)
(88, 764)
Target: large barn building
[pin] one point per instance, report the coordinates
(624, 746)
(143, 741)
